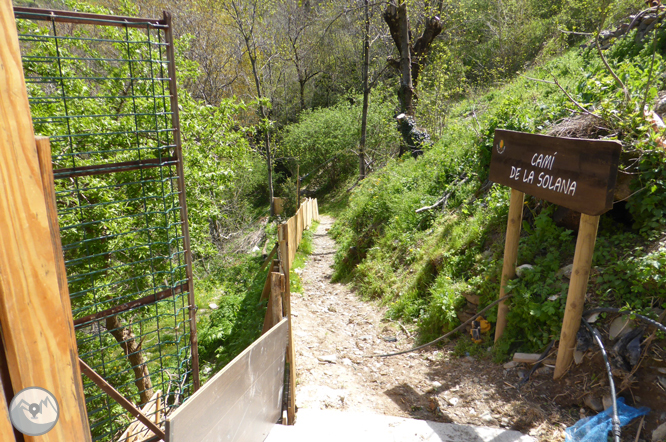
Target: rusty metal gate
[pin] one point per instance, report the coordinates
(103, 89)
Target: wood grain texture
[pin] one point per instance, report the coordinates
(513, 226)
(276, 295)
(37, 323)
(137, 431)
(573, 173)
(580, 274)
(240, 403)
(6, 429)
(291, 352)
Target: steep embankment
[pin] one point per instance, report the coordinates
(426, 236)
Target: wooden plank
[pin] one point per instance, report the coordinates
(6, 429)
(513, 226)
(526, 358)
(240, 403)
(36, 319)
(573, 173)
(292, 239)
(299, 227)
(291, 352)
(276, 295)
(587, 237)
(137, 431)
(278, 204)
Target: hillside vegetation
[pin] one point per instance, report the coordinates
(273, 92)
(433, 266)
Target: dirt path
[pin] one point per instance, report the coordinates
(334, 330)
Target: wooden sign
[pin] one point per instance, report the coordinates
(574, 173)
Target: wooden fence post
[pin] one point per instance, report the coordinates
(283, 235)
(36, 318)
(513, 226)
(587, 237)
(276, 295)
(298, 187)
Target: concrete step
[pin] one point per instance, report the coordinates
(339, 426)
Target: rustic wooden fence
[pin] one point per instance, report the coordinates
(244, 400)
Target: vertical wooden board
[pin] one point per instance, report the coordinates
(291, 239)
(276, 297)
(291, 352)
(240, 403)
(6, 429)
(299, 228)
(37, 325)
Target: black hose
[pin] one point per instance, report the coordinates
(536, 366)
(649, 321)
(488, 307)
(617, 431)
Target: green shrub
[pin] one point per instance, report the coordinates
(325, 140)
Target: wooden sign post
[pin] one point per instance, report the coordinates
(574, 173)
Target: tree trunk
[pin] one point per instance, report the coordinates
(412, 53)
(366, 93)
(125, 337)
(406, 92)
(264, 114)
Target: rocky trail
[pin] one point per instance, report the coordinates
(335, 332)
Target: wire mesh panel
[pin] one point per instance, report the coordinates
(100, 88)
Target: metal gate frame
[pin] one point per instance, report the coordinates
(164, 24)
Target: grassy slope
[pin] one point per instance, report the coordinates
(235, 284)
(423, 264)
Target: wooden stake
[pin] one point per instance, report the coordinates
(276, 295)
(587, 237)
(513, 226)
(36, 318)
(283, 234)
(298, 187)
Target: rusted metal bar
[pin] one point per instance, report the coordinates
(149, 299)
(101, 169)
(85, 18)
(175, 121)
(122, 400)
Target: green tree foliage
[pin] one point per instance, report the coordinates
(324, 141)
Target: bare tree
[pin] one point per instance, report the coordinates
(413, 53)
(300, 42)
(246, 16)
